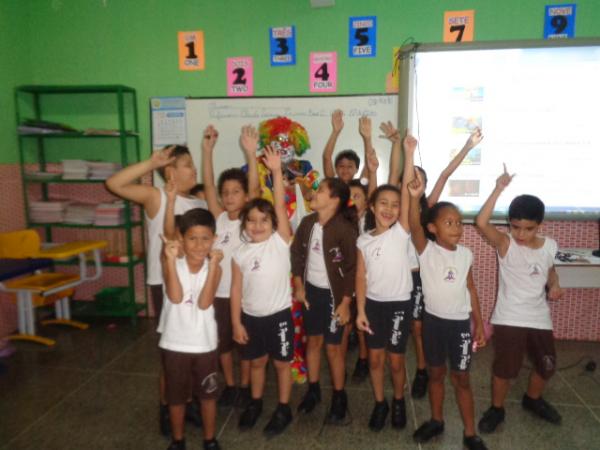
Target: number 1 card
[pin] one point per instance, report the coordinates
(459, 26)
(191, 50)
(240, 77)
(283, 46)
(323, 72)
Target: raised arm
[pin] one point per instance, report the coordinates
(416, 188)
(272, 160)
(169, 254)
(249, 143)
(209, 139)
(365, 129)
(169, 223)
(372, 166)
(479, 337)
(239, 331)
(337, 124)
(474, 140)
(393, 135)
(207, 296)
(498, 239)
(410, 144)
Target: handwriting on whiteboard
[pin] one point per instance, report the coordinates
(218, 112)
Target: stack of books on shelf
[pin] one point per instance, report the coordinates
(74, 169)
(31, 126)
(80, 214)
(47, 212)
(108, 214)
(101, 170)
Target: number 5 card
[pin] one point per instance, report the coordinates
(459, 26)
(240, 77)
(323, 72)
(363, 37)
(283, 46)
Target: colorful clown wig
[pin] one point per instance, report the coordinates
(271, 129)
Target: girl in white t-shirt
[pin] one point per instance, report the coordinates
(450, 299)
(261, 299)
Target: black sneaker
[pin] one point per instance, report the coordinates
(491, 419)
(280, 419)
(311, 398)
(474, 443)
(212, 444)
(192, 414)
(361, 370)
(398, 413)
(419, 385)
(542, 409)
(164, 420)
(228, 396)
(177, 445)
(251, 414)
(339, 406)
(428, 430)
(378, 416)
(244, 397)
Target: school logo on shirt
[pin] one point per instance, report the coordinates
(337, 255)
(255, 265)
(189, 301)
(450, 274)
(376, 252)
(317, 247)
(226, 238)
(535, 269)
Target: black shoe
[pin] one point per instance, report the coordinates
(228, 396)
(251, 414)
(339, 406)
(311, 398)
(177, 445)
(280, 419)
(542, 409)
(419, 386)
(361, 370)
(428, 430)
(474, 443)
(491, 419)
(213, 444)
(243, 398)
(192, 413)
(164, 420)
(378, 416)
(398, 413)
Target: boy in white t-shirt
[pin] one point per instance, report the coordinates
(187, 324)
(521, 318)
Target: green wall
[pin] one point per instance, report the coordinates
(134, 42)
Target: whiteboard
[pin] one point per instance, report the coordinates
(228, 115)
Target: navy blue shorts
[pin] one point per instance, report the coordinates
(318, 319)
(390, 324)
(445, 339)
(269, 335)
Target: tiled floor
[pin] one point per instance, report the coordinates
(97, 389)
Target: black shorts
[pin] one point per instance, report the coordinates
(390, 324)
(156, 295)
(318, 319)
(224, 328)
(417, 296)
(447, 339)
(270, 335)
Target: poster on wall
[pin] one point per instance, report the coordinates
(283, 46)
(459, 26)
(362, 36)
(240, 77)
(168, 121)
(323, 71)
(191, 50)
(559, 21)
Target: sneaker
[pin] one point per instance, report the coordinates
(192, 413)
(419, 386)
(228, 396)
(177, 445)
(339, 406)
(164, 420)
(361, 370)
(378, 416)
(311, 398)
(474, 443)
(428, 430)
(213, 444)
(542, 409)
(280, 419)
(251, 414)
(491, 419)
(398, 413)
(243, 398)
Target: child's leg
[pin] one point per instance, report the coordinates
(337, 367)
(162, 389)
(257, 376)
(226, 360)
(464, 398)
(284, 380)
(314, 344)
(437, 375)
(209, 418)
(177, 415)
(377, 369)
(500, 388)
(417, 327)
(244, 373)
(363, 352)
(398, 371)
(346, 339)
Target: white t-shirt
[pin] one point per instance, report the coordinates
(413, 258)
(387, 264)
(522, 279)
(316, 272)
(228, 240)
(155, 227)
(184, 327)
(265, 268)
(444, 277)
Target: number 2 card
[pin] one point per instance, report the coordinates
(240, 77)
(323, 72)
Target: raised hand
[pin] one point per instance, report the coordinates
(337, 120)
(171, 189)
(162, 158)
(209, 137)
(416, 187)
(215, 256)
(504, 179)
(170, 247)
(389, 131)
(364, 127)
(372, 162)
(249, 140)
(272, 159)
(409, 142)
(474, 139)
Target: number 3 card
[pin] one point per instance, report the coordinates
(459, 26)
(240, 77)
(191, 50)
(323, 72)
(560, 21)
(363, 37)
(283, 46)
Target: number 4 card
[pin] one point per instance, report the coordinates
(459, 26)
(323, 72)
(240, 77)
(560, 21)
(283, 46)
(363, 37)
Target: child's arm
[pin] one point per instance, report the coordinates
(499, 240)
(239, 331)
(209, 139)
(365, 130)
(416, 188)
(476, 311)
(272, 160)
(362, 322)
(249, 143)
(348, 250)
(372, 166)
(337, 124)
(207, 296)
(474, 139)
(555, 292)
(410, 144)
(390, 132)
(173, 287)
(169, 223)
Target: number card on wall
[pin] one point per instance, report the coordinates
(362, 37)
(459, 26)
(191, 50)
(323, 72)
(240, 77)
(283, 46)
(560, 21)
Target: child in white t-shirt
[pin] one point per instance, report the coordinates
(187, 324)
(261, 299)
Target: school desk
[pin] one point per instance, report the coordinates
(580, 269)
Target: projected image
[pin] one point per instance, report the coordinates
(473, 158)
(467, 94)
(463, 188)
(466, 125)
